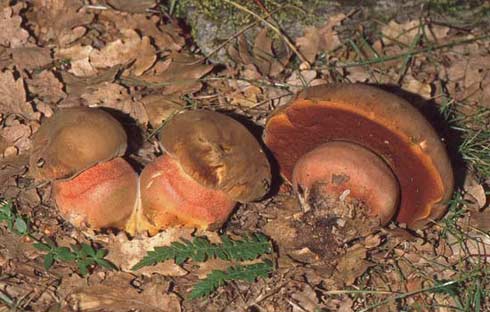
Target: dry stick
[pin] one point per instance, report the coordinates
(271, 26)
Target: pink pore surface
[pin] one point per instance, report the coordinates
(102, 196)
(337, 166)
(171, 197)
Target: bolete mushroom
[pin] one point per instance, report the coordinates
(382, 123)
(210, 162)
(79, 149)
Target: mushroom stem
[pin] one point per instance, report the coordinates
(347, 170)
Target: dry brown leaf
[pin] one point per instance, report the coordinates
(115, 293)
(61, 21)
(306, 299)
(113, 95)
(165, 36)
(160, 107)
(46, 86)
(412, 85)
(78, 55)
(12, 34)
(320, 39)
(300, 79)
(406, 32)
(473, 188)
(352, 264)
(126, 253)
(31, 57)
(18, 136)
(13, 96)
(265, 59)
(124, 51)
(180, 73)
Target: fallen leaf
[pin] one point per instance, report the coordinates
(473, 188)
(352, 264)
(179, 73)
(31, 57)
(126, 253)
(112, 95)
(406, 32)
(78, 55)
(46, 87)
(306, 299)
(115, 293)
(61, 21)
(18, 136)
(12, 34)
(125, 50)
(417, 87)
(160, 107)
(13, 96)
(264, 58)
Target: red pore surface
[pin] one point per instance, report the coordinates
(100, 197)
(379, 121)
(169, 197)
(336, 167)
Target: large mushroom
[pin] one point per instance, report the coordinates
(374, 121)
(210, 162)
(79, 150)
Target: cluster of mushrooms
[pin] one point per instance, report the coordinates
(346, 141)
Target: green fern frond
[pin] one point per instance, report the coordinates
(218, 278)
(200, 249)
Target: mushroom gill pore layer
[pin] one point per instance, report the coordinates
(380, 121)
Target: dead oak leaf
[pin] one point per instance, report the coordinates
(113, 95)
(320, 39)
(131, 6)
(46, 87)
(178, 74)
(125, 50)
(18, 136)
(352, 264)
(405, 33)
(165, 36)
(13, 96)
(61, 21)
(160, 107)
(12, 34)
(78, 55)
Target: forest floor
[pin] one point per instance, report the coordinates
(138, 60)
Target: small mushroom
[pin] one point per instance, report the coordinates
(78, 150)
(211, 162)
(379, 121)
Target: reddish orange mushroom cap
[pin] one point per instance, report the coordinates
(378, 120)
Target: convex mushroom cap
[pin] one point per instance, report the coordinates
(78, 150)
(379, 121)
(73, 140)
(213, 152)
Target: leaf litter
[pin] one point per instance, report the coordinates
(135, 59)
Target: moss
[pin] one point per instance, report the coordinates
(218, 11)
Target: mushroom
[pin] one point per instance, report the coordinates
(79, 149)
(210, 162)
(378, 121)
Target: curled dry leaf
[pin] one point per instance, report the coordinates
(61, 21)
(324, 38)
(178, 74)
(12, 34)
(46, 87)
(124, 51)
(113, 95)
(13, 96)
(126, 253)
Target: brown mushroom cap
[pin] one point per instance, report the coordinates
(219, 153)
(337, 167)
(73, 140)
(378, 120)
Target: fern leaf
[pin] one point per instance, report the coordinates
(218, 278)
